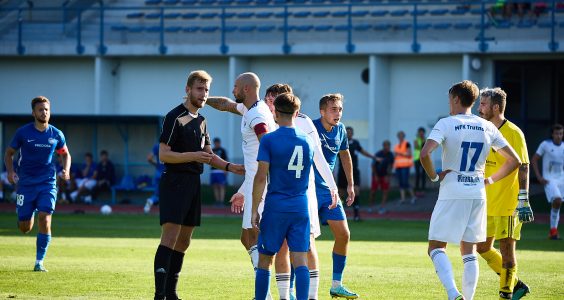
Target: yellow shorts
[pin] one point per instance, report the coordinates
(501, 227)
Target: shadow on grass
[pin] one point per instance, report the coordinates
(147, 226)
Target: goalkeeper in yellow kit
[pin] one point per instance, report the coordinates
(507, 201)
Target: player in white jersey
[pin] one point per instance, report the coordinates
(552, 154)
(305, 124)
(459, 215)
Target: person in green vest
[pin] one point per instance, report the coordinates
(419, 172)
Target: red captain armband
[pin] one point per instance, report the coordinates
(63, 150)
(260, 128)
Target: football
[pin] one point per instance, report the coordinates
(106, 209)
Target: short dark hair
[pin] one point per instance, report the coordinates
(467, 91)
(88, 154)
(39, 99)
(287, 103)
(329, 98)
(216, 140)
(199, 75)
(103, 152)
(421, 129)
(556, 127)
(497, 96)
(278, 88)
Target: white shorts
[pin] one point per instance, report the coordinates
(315, 229)
(247, 189)
(86, 182)
(454, 221)
(554, 188)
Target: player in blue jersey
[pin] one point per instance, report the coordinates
(333, 136)
(286, 213)
(35, 181)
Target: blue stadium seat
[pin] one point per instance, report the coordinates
(304, 28)
(207, 2)
(341, 28)
(402, 26)
(300, 1)
(322, 27)
(317, 1)
(172, 15)
(477, 11)
(398, 13)
(419, 12)
(135, 15)
(209, 28)
(224, 2)
(119, 27)
(208, 15)
(245, 15)
(265, 28)
(357, 1)
(190, 15)
(442, 26)
(152, 2)
(340, 13)
(230, 28)
(321, 14)
(561, 24)
(244, 2)
(360, 13)
(375, 1)
(462, 25)
(189, 2)
(229, 15)
(247, 28)
(362, 27)
(381, 26)
(302, 14)
(280, 1)
(153, 29)
(459, 11)
(264, 15)
(263, 2)
(191, 28)
(173, 29)
(438, 12)
(545, 24)
(479, 25)
(504, 25)
(282, 14)
(170, 2)
(135, 29)
(379, 13)
(336, 1)
(153, 15)
(290, 28)
(423, 26)
(525, 24)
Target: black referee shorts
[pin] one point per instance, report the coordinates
(180, 201)
(342, 182)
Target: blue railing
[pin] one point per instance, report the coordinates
(482, 40)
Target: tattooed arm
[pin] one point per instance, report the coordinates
(223, 104)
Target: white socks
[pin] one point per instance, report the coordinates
(554, 217)
(444, 271)
(313, 284)
(253, 253)
(470, 276)
(283, 283)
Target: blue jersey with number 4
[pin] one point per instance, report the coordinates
(289, 153)
(36, 165)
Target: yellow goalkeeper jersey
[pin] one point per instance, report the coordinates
(502, 195)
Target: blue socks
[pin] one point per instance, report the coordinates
(262, 283)
(42, 243)
(339, 262)
(292, 276)
(302, 283)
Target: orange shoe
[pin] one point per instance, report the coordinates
(553, 235)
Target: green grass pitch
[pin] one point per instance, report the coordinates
(111, 257)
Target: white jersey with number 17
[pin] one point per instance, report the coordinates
(466, 140)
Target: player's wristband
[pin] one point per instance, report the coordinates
(490, 180)
(435, 179)
(523, 195)
(227, 166)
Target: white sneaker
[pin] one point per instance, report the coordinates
(148, 204)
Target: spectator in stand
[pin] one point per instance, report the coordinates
(403, 161)
(105, 174)
(381, 171)
(218, 178)
(87, 180)
(420, 175)
(153, 159)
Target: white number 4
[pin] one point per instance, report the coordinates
(298, 158)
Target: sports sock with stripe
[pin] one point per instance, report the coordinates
(470, 275)
(444, 271)
(313, 284)
(283, 283)
(176, 260)
(161, 266)
(253, 253)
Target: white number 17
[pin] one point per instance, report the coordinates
(298, 158)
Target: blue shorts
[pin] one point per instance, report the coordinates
(326, 214)
(218, 178)
(275, 227)
(31, 198)
(403, 177)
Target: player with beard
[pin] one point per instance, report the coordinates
(36, 187)
(184, 148)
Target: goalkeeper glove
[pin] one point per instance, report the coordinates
(524, 211)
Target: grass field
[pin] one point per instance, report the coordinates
(111, 257)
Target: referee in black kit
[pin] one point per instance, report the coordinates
(184, 148)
